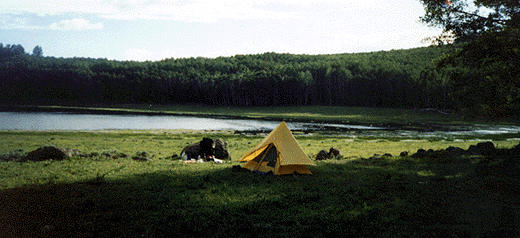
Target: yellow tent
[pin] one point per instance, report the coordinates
(278, 153)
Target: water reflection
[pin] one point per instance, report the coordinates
(70, 121)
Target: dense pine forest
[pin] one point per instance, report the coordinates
(398, 78)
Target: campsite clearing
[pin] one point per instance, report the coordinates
(100, 196)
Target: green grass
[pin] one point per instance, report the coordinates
(354, 115)
(395, 197)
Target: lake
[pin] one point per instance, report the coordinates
(70, 121)
(42, 121)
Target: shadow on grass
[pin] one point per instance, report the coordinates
(359, 198)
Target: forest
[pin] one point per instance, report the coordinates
(472, 68)
(397, 78)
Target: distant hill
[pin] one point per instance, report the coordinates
(397, 78)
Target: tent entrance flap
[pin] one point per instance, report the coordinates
(269, 155)
(264, 161)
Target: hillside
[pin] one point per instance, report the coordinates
(397, 78)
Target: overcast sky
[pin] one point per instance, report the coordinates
(157, 29)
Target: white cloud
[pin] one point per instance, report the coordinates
(9, 22)
(187, 11)
(203, 10)
(13, 22)
(76, 24)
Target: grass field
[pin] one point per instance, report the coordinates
(393, 197)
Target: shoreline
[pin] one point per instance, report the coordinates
(419, 126)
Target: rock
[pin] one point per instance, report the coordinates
(454, 151)
(141, 156)
(403, 154)
(486, 148)
(333, 152)
(421, 153)
(118, 155)
(473, 150)
(206, 147)
(221, 150)
(191, 152)
(388, 155)
(175, 156)
(322, 155)
(482, 148)
(46, 153)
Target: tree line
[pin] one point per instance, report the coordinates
(484, 65)
(398, 78)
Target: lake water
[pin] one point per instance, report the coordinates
(69, 121)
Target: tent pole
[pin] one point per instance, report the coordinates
(263, 157)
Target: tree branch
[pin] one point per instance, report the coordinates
(452, 9)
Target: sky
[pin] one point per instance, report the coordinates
(157, 29)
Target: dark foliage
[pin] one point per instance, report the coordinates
(399, 78)
(483, 67)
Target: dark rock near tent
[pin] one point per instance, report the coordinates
(221, 150)
(175, 156)
(322, 155)
(486, 148)
(191, 151)
(403, 154)
(46, 153)
(206, 147)
(333, 152)
(482, 148)
(454, 151)
(473, 150)
(435, 153)
(421, 153)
